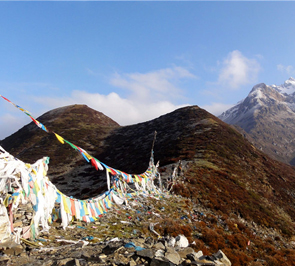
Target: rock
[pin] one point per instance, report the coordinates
(132, 263)
(86, 254)
(48, 263)
(156, 262)
(160, 254)
(192, 257)
(145, 253)
(184, 252)
(198, 254)
(17, 215)
(14, 249)
(159, 245)
(138, 241)
(111, 247)
(181, 241)
(77, 254)
(120, 259)
(195, 256)
(218, 263)
(206, 257)
(77, 262)
(103, 256)
(220, 256)
(18, 249)
(8, 251)
(188, 262)
(172, 256)
(18, 223)
(203, 263)
(171, 242)
(66, 262)
(149, 242)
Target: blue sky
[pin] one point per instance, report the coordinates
(135, 61)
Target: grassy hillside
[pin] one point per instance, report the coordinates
(236, 193)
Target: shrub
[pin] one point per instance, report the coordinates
(173, 228)
(237, 257)
(213, 239)
(199, 245)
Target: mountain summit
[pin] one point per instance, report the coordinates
(267, 114)
(76, 123)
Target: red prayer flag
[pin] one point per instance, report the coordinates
(5, 98)
(93, 162)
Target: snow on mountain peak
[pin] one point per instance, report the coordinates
(258, 96)
(287, 88)
(257, 92)
(262, 95)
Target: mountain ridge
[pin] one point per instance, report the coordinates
(267, 114)
(78, 124)
(220, 171)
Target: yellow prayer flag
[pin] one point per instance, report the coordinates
(60, 139)
(86, 208)
(6, 200)
(99, 208)
(36, 186)
(88, 156)
(109, 203)
(66, 207)
(136, 178)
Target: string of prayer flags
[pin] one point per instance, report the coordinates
(17, 106)
(40, 191)
(94, 162)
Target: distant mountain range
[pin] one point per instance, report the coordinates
(221, 171)
(267, 115)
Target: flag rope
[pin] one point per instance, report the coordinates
(34, 184)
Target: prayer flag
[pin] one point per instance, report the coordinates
(93, 162)
(89, 157)
(60, 139)
(5, 98)
(98, 164)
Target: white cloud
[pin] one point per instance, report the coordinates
(150, 95)
(238, 70)
(122, 110)
(286, 69)
(217, 108)
(160, 84)
(11, 123)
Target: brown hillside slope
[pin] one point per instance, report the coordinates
(247, 195)
(224, 170)
(244, 194)
(78, 124)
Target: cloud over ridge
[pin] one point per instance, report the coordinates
(149, 95)
(238, 70)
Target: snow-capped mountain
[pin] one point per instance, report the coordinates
(267, 114)
(287, 88)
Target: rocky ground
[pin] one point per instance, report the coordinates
(166, 230)
(127, 235)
